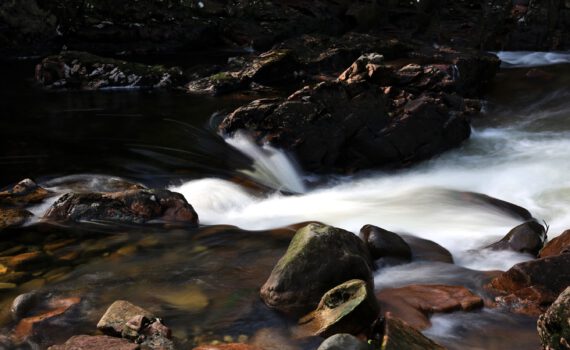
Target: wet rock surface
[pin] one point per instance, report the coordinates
(319, 258)
(528, 237)
(426, 250)
(131, 206)
(385, 245)
(84, 71)
(348, 308)
(416, 303)
(98, 342)
(554, 325)
(556, 246)
(343, 342)
(399, 335)
(120, 316)
(25, 192)
(530, 287)
(13, 217)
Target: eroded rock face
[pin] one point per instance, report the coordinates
(415, 303)
(319, 258)
(557, 246)
(348, 308)
(530, 287)
(554, 325)
(399, 335)
(131, 206)
(528, 237)
(80, 70)
(99, 342)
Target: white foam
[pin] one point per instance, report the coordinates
(515, 59)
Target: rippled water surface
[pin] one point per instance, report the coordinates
(205, 281)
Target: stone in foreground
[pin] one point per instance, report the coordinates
(319, 258)
(119, 316)
(348, 308)
(99, 342)
(343, 341)
(398, 335)
(415, 303)
(554, 325)
(135, 206)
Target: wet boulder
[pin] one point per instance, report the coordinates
(513, 210)
(98, 342)
(338, 126)
(84, 71)
(385, 245)
(131, 206)
(527, 237)
(530, 287)
(319, 258)
(399, 335)
(558, 245)
(24, 192)
(13, 217)
(343, 341)
(554, 325)
(348, 308)
(426, 250)
(416, 303)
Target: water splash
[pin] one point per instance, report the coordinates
(271, 167)
(514, 59)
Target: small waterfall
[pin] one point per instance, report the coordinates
(271, 167)
(514, 59)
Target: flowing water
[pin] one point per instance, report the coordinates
(204, 282)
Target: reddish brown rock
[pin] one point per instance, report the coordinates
(530, 287)
(131, 206)
(99, 342)
(23, 193)
(556, 246)
(13, 217)
(415, 303)
(398, 335)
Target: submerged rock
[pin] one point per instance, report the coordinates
(98, 342)
(319, 258)
(343, 342)
(416, 303)
(398, 335)
(131, 206)
(348, 308)
(527, 237)
(385, 244)
(554, 325)
(530, 287)
(557, 246)
(24, 192)
(81, 70)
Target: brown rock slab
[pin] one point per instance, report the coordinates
(99, 342)
(132, 206)
(556, 246)
(348, 308)
(398, 335)
(415, 303)
(118, 315)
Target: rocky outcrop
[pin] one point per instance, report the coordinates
(558, 245)
(131, 206)
(318, 259)
(527, 237)
(399, 335)
(385, 245)
(23, 193)
(530, 287)
(416, 303)
(348, 308)
(80, 70)
(554, 325)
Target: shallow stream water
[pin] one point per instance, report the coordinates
(204, 282)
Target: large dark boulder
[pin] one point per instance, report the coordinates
(132, 206)
(527, 237)
(554, 325)
(384, 244)
(319, 258)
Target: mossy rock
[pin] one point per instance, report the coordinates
(554, 325)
